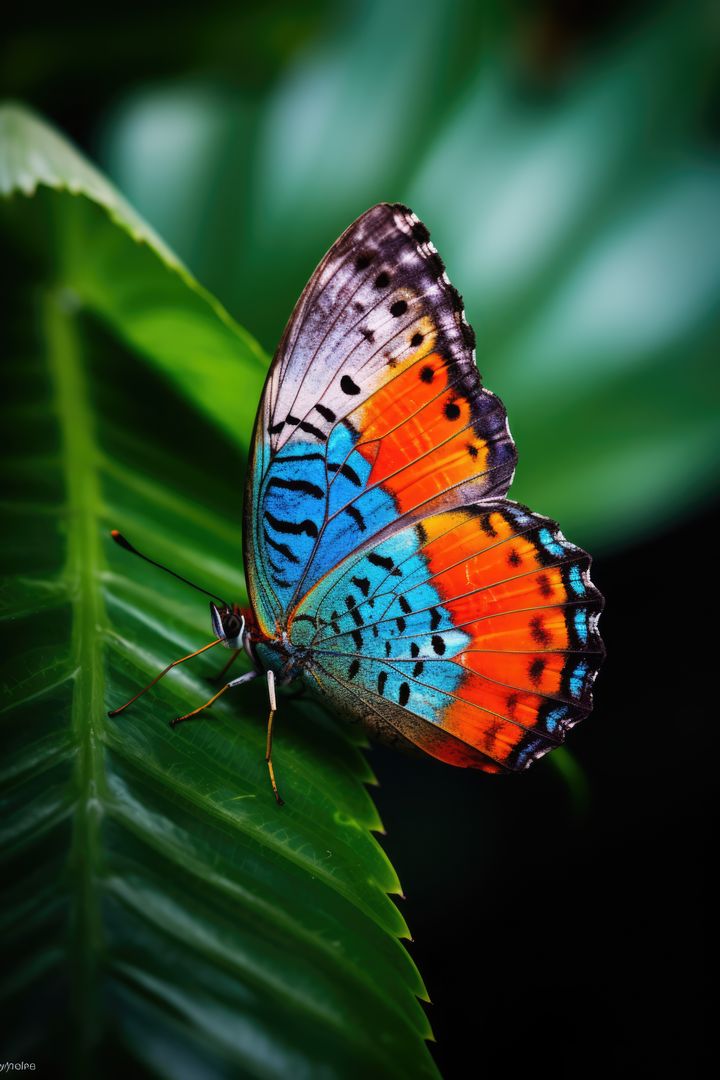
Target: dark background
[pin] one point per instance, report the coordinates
(567, 932)
(558, 918)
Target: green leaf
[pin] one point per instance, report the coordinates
(160, 909)
(573, 204)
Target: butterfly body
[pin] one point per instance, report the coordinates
(385, 567)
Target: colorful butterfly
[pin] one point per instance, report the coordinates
(385, 567)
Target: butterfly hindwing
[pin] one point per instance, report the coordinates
(372, 417)
(471, 635)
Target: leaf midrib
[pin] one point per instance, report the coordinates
(83, 564)
(82, 462)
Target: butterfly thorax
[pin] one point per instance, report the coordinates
(280, 655)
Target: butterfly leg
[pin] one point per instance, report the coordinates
(268, 752)
(121, 708)
(226, 667)
(201, 708)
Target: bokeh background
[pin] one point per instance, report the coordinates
(566, 158)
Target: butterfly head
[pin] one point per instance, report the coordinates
(228, 623)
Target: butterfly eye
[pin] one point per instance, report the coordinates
(231, 626)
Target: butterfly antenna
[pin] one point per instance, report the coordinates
(124, 543)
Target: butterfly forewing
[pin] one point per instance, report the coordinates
(373, 414)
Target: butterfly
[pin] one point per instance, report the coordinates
(385, 566)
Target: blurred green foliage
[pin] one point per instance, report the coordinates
(574, 194)
(163, 910)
